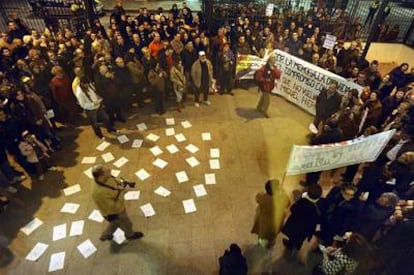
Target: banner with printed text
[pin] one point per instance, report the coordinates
(307, 159)
(300, 82)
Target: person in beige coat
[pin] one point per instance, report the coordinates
(108, 195)
(202, 75)
(269, 216)
(179, 81)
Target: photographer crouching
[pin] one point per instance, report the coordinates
(108, 194)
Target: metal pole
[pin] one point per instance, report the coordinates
(409, 31)
(373, 33)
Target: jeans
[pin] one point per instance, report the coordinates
(99, 114)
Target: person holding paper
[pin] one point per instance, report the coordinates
(108, 195)
(265, 78)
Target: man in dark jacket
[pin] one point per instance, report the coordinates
(372, 215)
(338, 211)
(304, 216)
(107, 89)
(123, 80)
(327, 103)
(233, 262)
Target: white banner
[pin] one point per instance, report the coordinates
(300, 82)
(307, 159)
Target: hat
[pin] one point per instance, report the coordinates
(201, 53)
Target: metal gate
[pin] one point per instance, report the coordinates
(54, 14)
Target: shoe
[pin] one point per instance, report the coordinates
(41, 177)
(134, 105)
(103, 138)
(105, 238)
(52, 169)
(266, 115)
(113, 131)
(197, 104)
(11, 189)
(207, 102)
(136, 236)
(123, 120)
(232, 94)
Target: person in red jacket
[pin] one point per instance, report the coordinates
(265, 78)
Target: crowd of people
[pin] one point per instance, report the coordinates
(48, 78)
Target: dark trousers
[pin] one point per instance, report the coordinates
(225, 82)
(370, 16)
(113, 108)
(120, 220)
(101, 115)
(137, 89)
(8, 170)
(198, 91)
(159, 101)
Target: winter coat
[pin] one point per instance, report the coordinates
(177, 78)
(108, 201)
(136, 70)
(265, 78)
(157, 80)
(265, 221)
(196, 73)
(325, 106)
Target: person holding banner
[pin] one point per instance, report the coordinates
(265, 78)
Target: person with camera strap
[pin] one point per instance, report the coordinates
(108, 195)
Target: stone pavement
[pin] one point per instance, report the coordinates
(253, 149)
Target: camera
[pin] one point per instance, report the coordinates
(126, 183)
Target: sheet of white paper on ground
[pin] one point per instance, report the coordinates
(96, 216)
(192, 161)
(57, 261)
(59, 232)
(88, 160)
(120, 162)
(36, 252)
(76, 229)
(152, 137)
(103, 146)
(199, 190)
(71, 208)
(160, 163)
(156, 150)
(88, 173)
(115, 173)
(31, 226)
(181, 176)
(142, 174)
(142, 127)
(50, 114)
(169, 132)
(180, 138)
(210, 178)
(119, 236)
(172, 149)
(123, 139)
(71, 190)
(131, 195)
(137, 143)
(86, 248)
(107, 157)
(214, 153)
(186, 124)
(206, 136)
(162, 191)
(192, 148)
(170, 121)
(214, 164)
(148, 210)
(189, 206)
